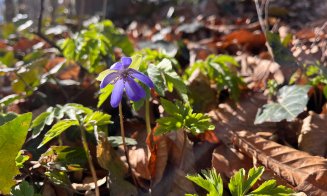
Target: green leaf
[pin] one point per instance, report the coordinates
(7, 117)
(211, 182)
(236, 183)
(104, 94)
(182, 116)
(96, 119)
(270, 188)
(157, 78)
(23, 189)
(136, 62)
(253, 176)
(239, 185)
(325, 91)
(165, 78)
(12, 137)
(70, 158)
(118, 140)
(8, 59)
(169, 106)
(21, 159)
(282, 55)
(291, 101)
(103, 74)
(39, 123)
(57, 129)
(5, 101)
(58, 177)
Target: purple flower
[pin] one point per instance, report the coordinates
(122, 78)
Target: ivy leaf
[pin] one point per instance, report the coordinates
(211, 182)
(182, 116)
(12, 137)
(270, 188)
(23, 189)
(57, 129)
(291, 101)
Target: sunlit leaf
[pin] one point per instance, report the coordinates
(12, 137)
(270, 188)
(182, 116)
(39, 123)
(57, 129)
(104, 94)
(210, 181)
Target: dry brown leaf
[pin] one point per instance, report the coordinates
(313, 136)
(180, 162)
(108, 160)
(245, 38)
(305, 172)
(139, 159)
(88, 184)
(24, 44)
(236, 116)
(227, 160)
(158, 146)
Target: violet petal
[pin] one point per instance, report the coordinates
(117, 93)
(126, 61)
(108, 79)
(133, 90)
(117, 66)
(143, 78)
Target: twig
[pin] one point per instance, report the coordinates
(263, 24)
(39, 25)
(39, 29)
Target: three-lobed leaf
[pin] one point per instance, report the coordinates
(210, 181)
(182, 116)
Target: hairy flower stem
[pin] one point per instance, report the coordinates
(147, 116)
(89, 160)
(122, 131)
